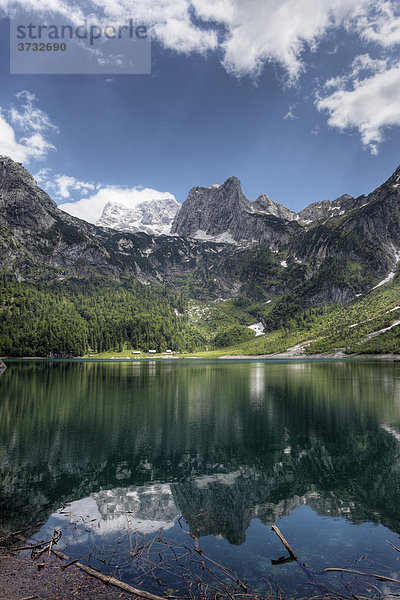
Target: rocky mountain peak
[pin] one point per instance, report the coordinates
(395, 178)
(152, 216)
(224, 214)
(268, 206)
(13, 173)
(22, 202)
(233, 184)
(327, 209)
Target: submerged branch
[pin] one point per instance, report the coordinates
(108, 580)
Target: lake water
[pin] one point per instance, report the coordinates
(111, 453)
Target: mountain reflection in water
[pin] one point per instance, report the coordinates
(220, 443)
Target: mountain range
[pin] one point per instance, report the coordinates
(215, 235)
(216, 247)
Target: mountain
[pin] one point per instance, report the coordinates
(154, 217)
(222, 245)
(39, 242)
(224, 214)
(364, 241)
(326, 209)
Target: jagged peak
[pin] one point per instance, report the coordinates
(233, 181)
(264, 198)
(15, 167)
(395, 178)
(5, 158)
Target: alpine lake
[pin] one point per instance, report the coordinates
(170, 474)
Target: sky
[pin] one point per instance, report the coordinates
(299, 99)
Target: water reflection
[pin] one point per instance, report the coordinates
(219, 443)
(148, 508)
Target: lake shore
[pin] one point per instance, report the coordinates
(288, 355)
(21, 577)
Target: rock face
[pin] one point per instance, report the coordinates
(154, 216)
(265, 205)
(368, 232)
(22, 203)
(327, 209)
(224, 214)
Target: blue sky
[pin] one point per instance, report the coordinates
(303, 113)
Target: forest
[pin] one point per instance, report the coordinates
(75, 317)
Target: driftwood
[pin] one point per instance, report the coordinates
(108, 580)
(285, 542)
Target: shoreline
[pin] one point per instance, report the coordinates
(289, 356)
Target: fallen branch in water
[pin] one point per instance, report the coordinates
(72, 562)
(108, 580)
(34, 547)
(17, 533)
(372, 575)
(213, 562)
(40, 552)
(393, 546)
(284, 542)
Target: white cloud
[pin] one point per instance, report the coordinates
(61, 186)
(370, 105)
(382, 25)
(90, 208)
(30, 120)
(247, 34)
(260, 31)
(28, 116)
(290, 114)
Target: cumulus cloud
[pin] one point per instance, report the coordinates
(60, 187)
(246, 34)
(260, 31)
(90, 208)
(23, 130)
(369, 104)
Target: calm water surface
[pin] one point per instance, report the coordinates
(103, 449)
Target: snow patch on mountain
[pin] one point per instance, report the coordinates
(223, 238)
(258, 328)
(391, 274)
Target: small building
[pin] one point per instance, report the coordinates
(152, 352)
(136, 352)
(168, 352)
